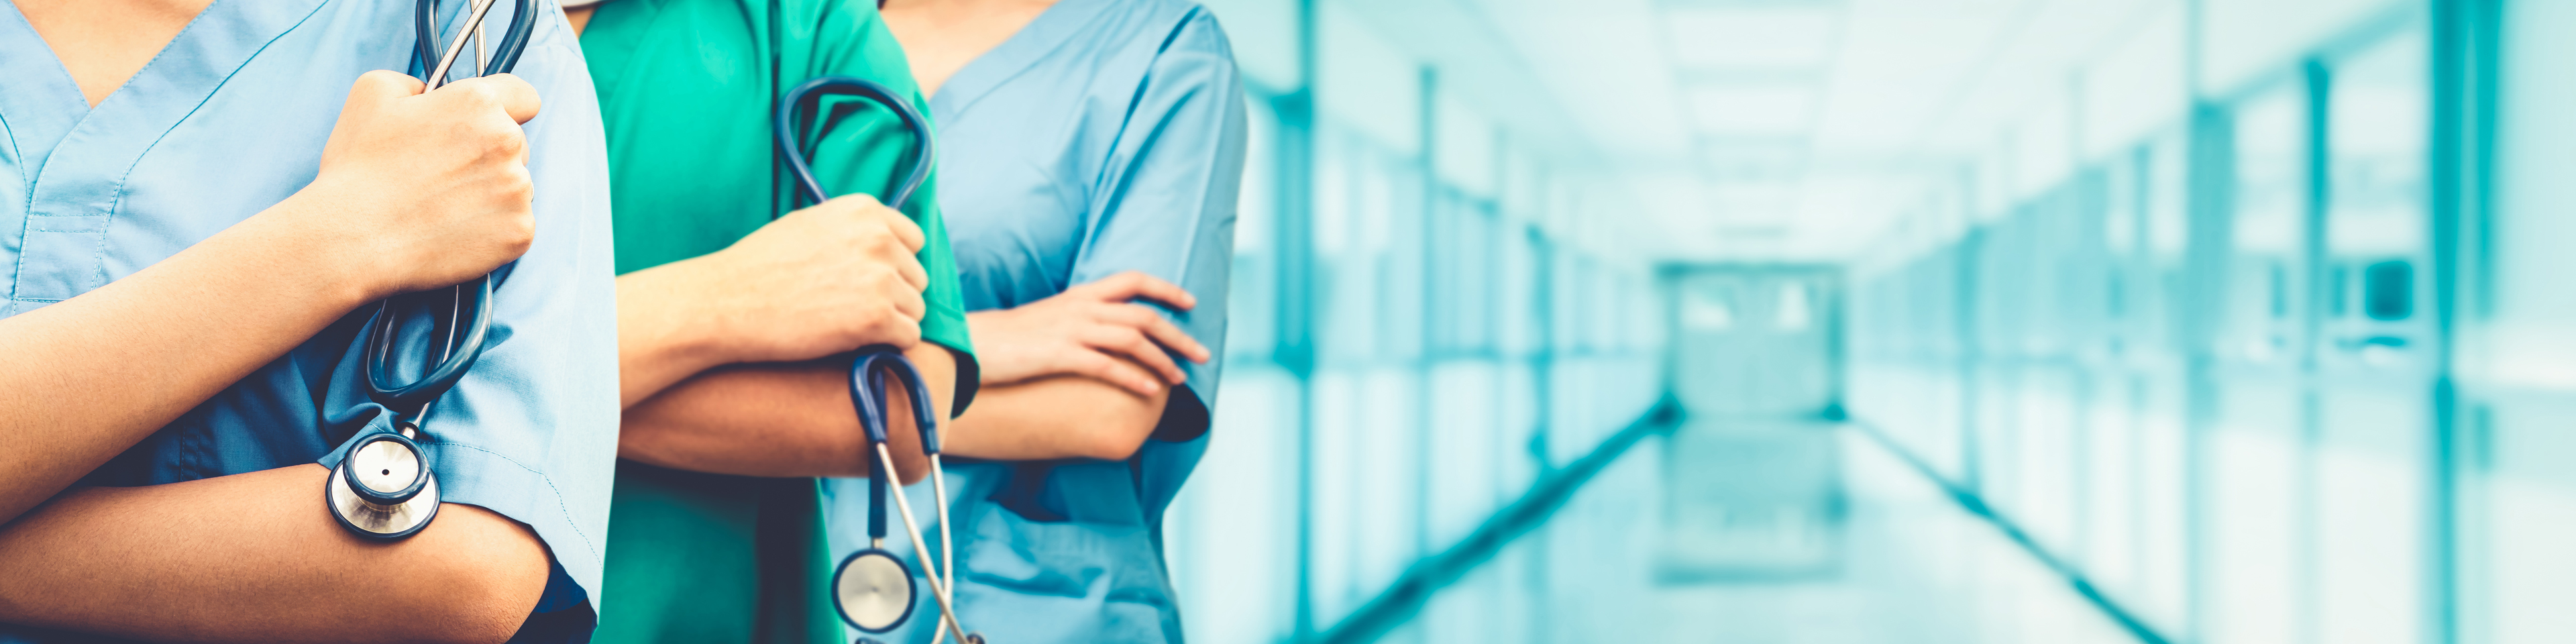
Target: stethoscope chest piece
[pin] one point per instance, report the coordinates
(873, 590)
(383, 488)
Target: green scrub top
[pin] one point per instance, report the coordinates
(685, 91)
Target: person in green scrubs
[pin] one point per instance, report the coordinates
(729, 322)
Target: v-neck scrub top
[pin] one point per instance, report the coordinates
(1106, 136)
(228, 120)
(685, 88)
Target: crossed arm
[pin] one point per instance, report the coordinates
(255, 557)
(1082, 374)
(242, 558)
(735, 362)
(719, 376)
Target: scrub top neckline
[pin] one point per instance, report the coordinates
(29, 56)
(1051, 30)
(54, 132)
(178, 77)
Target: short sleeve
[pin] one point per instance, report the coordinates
(1164, 202)
(865, 149)
(531, 430)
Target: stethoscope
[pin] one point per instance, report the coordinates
(384, 487)
(872, 588)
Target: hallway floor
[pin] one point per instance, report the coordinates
(1772, 534)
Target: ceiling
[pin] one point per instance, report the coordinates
(1789, 129)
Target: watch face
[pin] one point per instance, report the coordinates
(873, 591)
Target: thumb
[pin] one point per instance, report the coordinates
(380, 86)
(512, 93)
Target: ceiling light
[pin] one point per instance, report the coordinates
(1754, 110)
(1752, 38)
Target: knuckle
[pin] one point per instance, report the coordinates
(495, 142)
(481, 93)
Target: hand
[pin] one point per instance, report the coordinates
(431, 189)
(1092, 330)
(834, 277)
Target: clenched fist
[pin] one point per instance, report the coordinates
(840, 275)
(432, 187)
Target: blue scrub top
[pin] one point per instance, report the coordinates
(1106, 136)
(229, 119)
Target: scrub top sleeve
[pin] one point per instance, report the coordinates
(867, 150)
(1164, 203)
(531, 431)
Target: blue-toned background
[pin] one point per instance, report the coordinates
(2043, 321)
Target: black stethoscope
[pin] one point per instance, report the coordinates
(872, 588)
(384, 487)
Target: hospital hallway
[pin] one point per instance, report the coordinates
(1894, 321)
(1864, 551)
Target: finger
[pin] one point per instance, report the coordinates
(1134, 344)
(1170, 335)
(911, 305)
(857, 204)
(903, 332)
(903, 228)
(383, 84)
(512, 93)
(1119, 373)
(1134, 285)
(1145, 319)
(909, 267)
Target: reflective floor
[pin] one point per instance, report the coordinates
(1853, 548)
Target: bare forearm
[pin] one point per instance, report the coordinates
(255, 558)
(1056, 417)
(88, 377)
(779, 420)
(661, 338)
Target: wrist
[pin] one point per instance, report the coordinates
(310, 246)
(997, 361)
(666, 314)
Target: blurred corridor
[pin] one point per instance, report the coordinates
(1904, 321)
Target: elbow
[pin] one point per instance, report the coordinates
(1111, 448)
(1117, 435)
(1118, 426)
(481, 578)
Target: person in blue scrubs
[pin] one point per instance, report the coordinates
(198, 202)
(1091, 154)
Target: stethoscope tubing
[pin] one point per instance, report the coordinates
(467, 330)
(868, 373)
(456, 355)
(523, 24)
(791, 142)
(472, 310)
(866, 378)
(938, 590)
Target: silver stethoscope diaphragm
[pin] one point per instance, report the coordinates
(382, 488)
(873, 590)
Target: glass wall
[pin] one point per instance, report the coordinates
(2258, 378)
(1412, 345)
